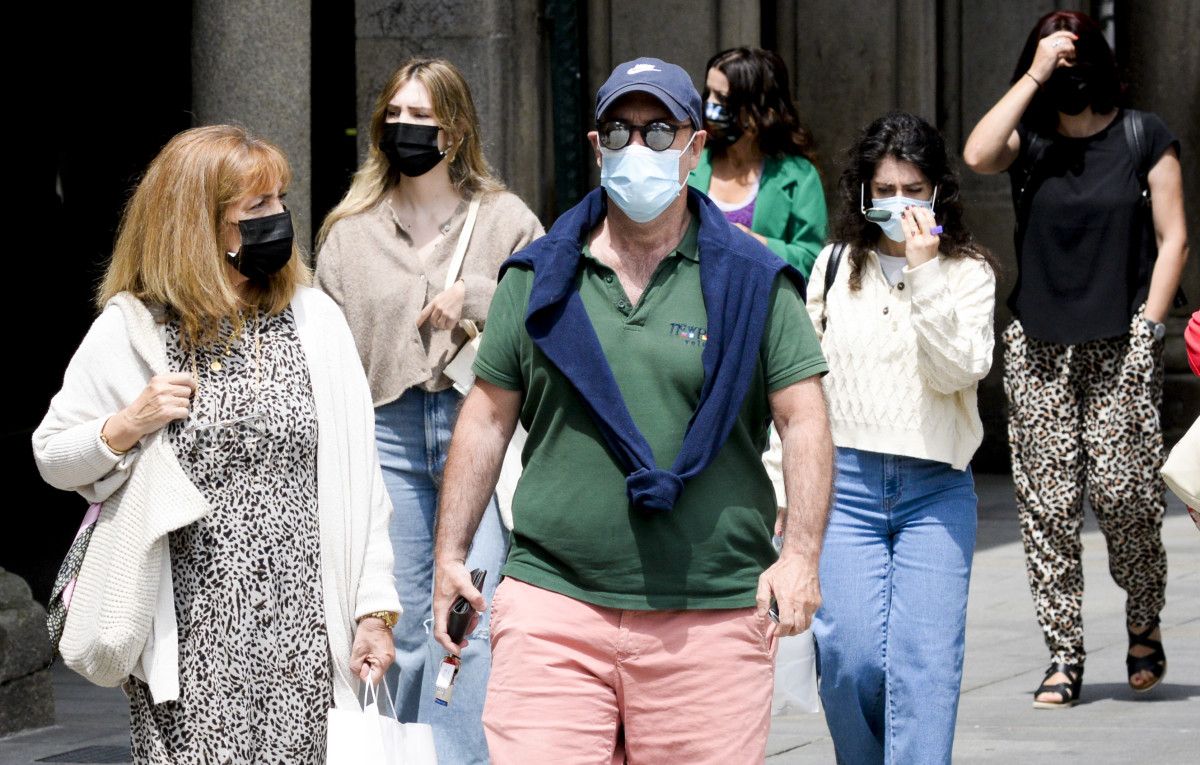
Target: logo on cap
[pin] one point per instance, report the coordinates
(639, 68)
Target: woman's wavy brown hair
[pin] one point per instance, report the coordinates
(170, 244)
(907, 138)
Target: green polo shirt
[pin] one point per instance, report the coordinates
(574, 531)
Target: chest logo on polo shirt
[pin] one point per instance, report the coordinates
(688, 334)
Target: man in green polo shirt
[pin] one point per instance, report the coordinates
(632, 593)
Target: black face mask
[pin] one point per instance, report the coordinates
(1070, 89)
(723, 130)
(266, 246)
(411, 149)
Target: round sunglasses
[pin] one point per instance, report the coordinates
(658, 135)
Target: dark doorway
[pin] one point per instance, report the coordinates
(108, 85)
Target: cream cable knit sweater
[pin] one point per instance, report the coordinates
(905, 361)
(146, 495)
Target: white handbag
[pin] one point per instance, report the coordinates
(459, 369)
(366, 737)
(1182, 469)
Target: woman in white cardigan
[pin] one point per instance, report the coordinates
(906, 326)
(239, 579)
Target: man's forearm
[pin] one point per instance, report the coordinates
(484, 427)
(808, 478)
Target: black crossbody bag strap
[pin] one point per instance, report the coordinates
(1135, 136)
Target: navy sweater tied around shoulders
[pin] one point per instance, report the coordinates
(737, 274)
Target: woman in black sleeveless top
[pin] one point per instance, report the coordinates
(1098, 267)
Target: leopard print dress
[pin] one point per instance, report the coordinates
(255, 680)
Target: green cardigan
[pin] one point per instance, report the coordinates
(789, 210)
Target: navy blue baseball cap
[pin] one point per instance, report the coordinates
(666, 82)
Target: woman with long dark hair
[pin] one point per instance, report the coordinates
(1098, 266)
(758, 162)
(906, 326)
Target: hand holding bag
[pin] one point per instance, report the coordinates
(366, 737)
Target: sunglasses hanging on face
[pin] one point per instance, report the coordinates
(878, 214)
(616, 134)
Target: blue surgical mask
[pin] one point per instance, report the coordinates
(641, 181)
(892, 227)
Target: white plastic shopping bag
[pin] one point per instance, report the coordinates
(366, 737)
(795, 676)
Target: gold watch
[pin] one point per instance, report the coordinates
(389, 618)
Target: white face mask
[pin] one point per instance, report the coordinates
(642, 182)
(895, 205)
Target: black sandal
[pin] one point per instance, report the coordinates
(1154, 662)
(1068, 692)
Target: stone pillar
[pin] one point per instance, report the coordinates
(497, 45)
(1162, 65)
(252, 65)
(26, 694)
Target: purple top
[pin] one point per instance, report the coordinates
(742, 215)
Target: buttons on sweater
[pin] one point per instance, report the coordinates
(885, 310)
(900, 286)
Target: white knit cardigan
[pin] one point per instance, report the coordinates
(905, 361)
(146, 494)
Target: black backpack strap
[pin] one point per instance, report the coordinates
(831, 269)
(1135, 136)
(1035, 149)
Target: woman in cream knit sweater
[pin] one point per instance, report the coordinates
(906, 327)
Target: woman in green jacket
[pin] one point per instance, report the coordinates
(757, 165)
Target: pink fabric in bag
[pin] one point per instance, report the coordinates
(93, 512)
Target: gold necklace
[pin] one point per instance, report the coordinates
(234, 334)
(216, 365)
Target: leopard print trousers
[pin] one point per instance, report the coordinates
(1086, 418)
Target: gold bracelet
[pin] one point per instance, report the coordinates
(111, 448)
(389, 618)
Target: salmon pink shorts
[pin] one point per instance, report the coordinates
(573, 683)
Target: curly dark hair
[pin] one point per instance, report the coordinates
(1092, 55)
(907, 138)
(759, 89)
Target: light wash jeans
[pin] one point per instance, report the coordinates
(890, 631)
(413, 435)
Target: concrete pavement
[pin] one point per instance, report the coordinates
(1006, 658)
(1004, 662)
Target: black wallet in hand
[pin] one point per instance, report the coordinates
(460, 609)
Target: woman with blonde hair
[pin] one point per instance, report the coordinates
(218, 398)
(387, 256)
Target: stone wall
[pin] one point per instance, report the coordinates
(26, 695)
(497, 44)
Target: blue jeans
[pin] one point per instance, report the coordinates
(413, 435)
(894, 574)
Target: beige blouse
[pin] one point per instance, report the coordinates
(369, 266)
